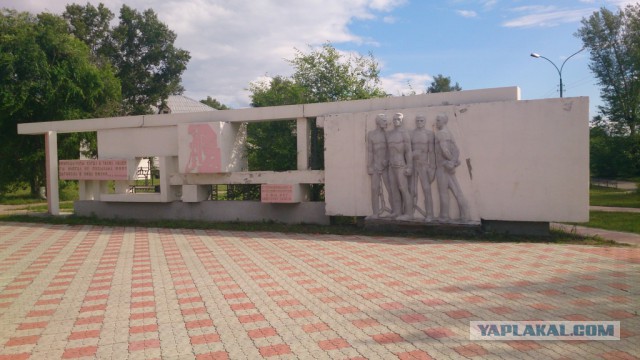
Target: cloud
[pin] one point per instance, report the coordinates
(467, 13)
(399, 84)
(389, 19)
(622, 3)
(234, 42)
(489, 4)
(546, 16)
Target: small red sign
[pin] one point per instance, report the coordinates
(93, 170)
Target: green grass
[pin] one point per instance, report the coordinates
(68, 192)
(602, 196)
(19, 197)
(64, 205)
(617, 221)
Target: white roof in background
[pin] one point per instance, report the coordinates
(182, 104)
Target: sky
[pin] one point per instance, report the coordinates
(477, 43)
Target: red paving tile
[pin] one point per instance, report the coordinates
(216, 355)
(363, 323)
(414, 355)
(262, 332)
(523, 345)
(347, 310)
(471, 350)
(459, 314)
(243, 306)
(300, 314)
(439, 332)
(143, 329)
(413, 318)
(80, 335)
(620, 314)
(78, 352)
(144, 344)
(205, 339)
(20, 356)
(387, 338)
(274, 350)
(33, 325)
(433, 302)
(326, 291)
(392, 306)
(617, 355)
(333, 344)
(244, 319)
(310, 328)
(22, 340)
(143, 315)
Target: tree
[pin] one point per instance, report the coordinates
(140, 47)
(442, 83)
(613, 40)
(321, 75)
(614, 45)
(278, 91)
(612, 155)
(91, 25)
(209, 101)
(46, 74)
(326, 75)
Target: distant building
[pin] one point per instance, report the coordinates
(177, 104)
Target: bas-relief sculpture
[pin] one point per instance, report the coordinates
(447, 160)
(401, 160)
(204, 152)
(377, 166)
(400, 168)
(424, 163)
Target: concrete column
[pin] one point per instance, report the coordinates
(168, 165)
(51, 168)
(303, 143)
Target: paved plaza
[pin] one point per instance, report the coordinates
(147, 293)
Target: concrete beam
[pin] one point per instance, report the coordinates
(274, 113)
(251, 177)
(74, 126)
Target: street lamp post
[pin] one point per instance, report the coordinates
(535, 55)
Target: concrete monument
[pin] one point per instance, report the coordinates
(508, 176)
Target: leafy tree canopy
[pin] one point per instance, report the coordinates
(321, 75)
(46, 74)
(140, 47)
(613, 40)
(442, 83)
(214, 103)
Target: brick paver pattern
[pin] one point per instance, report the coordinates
(69, 292)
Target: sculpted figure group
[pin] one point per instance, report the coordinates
(399, 160)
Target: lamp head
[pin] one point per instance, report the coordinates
(535, 55)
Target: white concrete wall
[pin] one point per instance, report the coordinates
(129, 143)
(529, 159)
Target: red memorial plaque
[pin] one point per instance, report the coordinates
(93, 170)
(277, 193)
